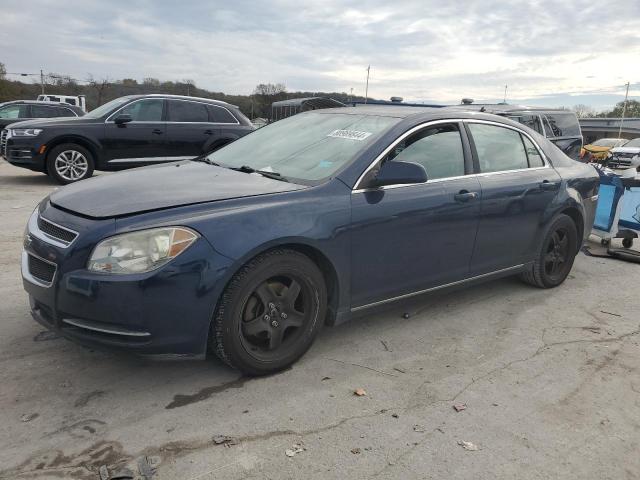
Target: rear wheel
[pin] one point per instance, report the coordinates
(68, 163)
(556, 254)
(269, 313)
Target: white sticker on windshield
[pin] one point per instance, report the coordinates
(349, 134)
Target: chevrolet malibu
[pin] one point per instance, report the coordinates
(247, 252)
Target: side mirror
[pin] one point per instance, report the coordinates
(398, 172)
(122, 119)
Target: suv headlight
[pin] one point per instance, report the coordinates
(140, 252)
(25, 132)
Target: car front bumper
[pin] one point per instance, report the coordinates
(163, 313)
(25, 152)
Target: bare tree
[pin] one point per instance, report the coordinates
(584, 111)
(3, 71)
(100, 86)
(264, 95)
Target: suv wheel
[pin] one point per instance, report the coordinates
(68, 163)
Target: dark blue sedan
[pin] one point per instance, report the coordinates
(248, 251)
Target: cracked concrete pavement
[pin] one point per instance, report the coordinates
(550, 379)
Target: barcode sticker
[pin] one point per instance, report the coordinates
(349, 134)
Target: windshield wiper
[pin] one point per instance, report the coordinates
(205, 159)
(264, 173)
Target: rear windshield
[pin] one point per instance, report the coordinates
(563, 125)
(308, 147)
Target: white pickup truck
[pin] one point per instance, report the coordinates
(78, 101)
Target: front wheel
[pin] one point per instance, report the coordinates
(69, 163)
(556, 254)
(270, 313)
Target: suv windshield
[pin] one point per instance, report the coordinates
(308, 147)
(103, 110)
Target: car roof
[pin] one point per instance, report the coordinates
(503, 108)
(38, 102)
(182, 97)
(418, 113)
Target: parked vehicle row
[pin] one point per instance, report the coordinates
(246, 252)
(127, 132)
(559, 126)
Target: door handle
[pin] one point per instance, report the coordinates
(465, 196)
(157, 131)
(547, 186)
(208, 132)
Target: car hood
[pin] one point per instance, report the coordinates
(160, 187)
(625, 150)
(53, 122)
(596, 148)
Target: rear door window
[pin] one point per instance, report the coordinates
(44, 111)
(498, 148)
(562, 125)
(437, 148)
(531, 121)
(535, 159)
(65, 112)
(221, 115)
(180, 111)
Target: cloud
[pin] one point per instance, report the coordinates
(419, 49)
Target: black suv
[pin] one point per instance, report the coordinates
(559, 126)
(20, 110)
(127, 132)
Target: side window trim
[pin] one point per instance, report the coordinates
(122, 107)
(168, 102)
(545, 161)
(454, 121)
(212, 106)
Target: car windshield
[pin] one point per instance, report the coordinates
(607, 142)
(635, 143)
(103, 110)
(308, 147)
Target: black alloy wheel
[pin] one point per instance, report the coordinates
(270, 312)
(274, 315)
(556, 254)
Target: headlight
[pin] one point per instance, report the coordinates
(25, 132)
(141, 251)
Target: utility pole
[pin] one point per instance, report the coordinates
(42, 81)
(505, 94)
(351, 95)
(366, 89)
(624, 109)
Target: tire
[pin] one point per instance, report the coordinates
(69, 163)
(555, 255)
(627, 242)
(263, 322)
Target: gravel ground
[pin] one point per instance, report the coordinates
(550, 381)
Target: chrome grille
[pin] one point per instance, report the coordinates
(41, 269)
(55, 231)
(3, 142)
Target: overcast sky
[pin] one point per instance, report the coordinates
(556, 53)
